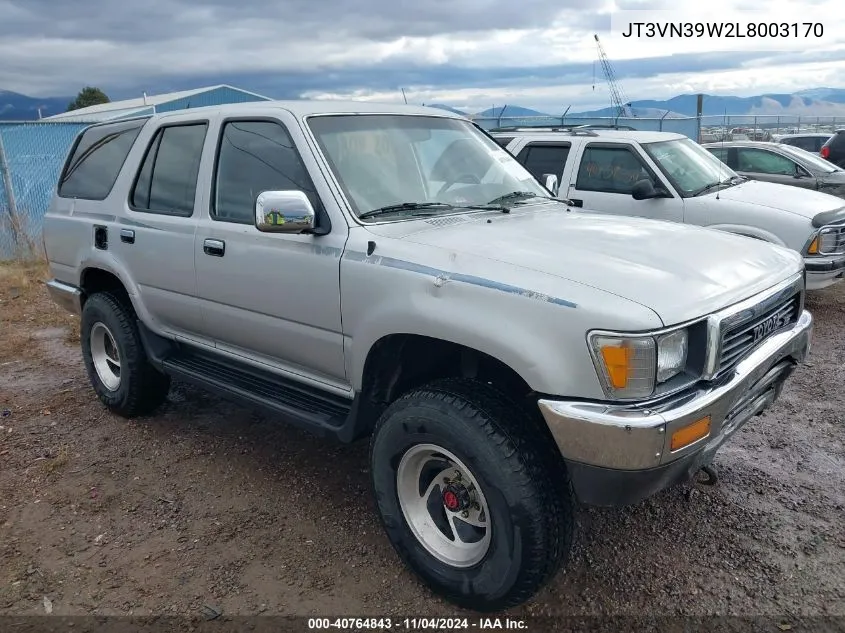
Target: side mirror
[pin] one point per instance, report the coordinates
(643, 190)
(551, 183)
(284, 212)
(799, 172)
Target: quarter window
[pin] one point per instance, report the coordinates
(610, 170)
(97, 159)
(167, 180)
(255, 156)
(544, 159)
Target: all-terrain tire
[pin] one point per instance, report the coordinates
(141, 387)
(519, 471)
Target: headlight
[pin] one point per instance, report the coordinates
(631, 366)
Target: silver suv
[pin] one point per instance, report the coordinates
(390, 272)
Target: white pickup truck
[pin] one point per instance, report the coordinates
(667, 176)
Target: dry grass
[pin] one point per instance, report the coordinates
(25, 308)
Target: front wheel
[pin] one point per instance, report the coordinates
(471, 495)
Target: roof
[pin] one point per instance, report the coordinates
(641, 136)
(303, 107)
(745, 143)
(799, 134)
(109, 110)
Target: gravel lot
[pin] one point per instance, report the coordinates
(208, 505)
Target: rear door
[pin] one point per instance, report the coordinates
(603, 178)
(545, 157)
(156, 238)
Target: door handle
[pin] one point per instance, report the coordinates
(576, 203)
(215, 248)
(127, 235)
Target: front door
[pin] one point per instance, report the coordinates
(768, 166)
(604, 177)
(270, 298)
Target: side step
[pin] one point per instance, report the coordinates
(317, 411)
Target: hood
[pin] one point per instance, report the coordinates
(681, 272)
(833, 183)
(796, 200)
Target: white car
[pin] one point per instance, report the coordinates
(667, 176)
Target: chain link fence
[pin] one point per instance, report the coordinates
(31, 156)
(702, 129)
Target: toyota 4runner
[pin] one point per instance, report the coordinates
(390, 272)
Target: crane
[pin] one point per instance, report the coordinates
(617, 97)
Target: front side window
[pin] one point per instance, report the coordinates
(255, 156)
(439, 163)
(610, 170)
(763, 162)
(690, 167)
(167, 180)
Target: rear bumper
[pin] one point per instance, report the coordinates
(824, 271)
(67, 296)
(621, 454)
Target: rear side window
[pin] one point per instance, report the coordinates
(544, 159)
(167, 180)
(96, 160)
(503, 140)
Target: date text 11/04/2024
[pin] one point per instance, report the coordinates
(416, 624)
(724, 29)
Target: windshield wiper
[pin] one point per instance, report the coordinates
(404, 206)
(432, 207)
(707, 188)
(516, 195)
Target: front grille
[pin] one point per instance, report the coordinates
(832, 240)
(740, 338)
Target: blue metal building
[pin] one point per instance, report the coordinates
(32, 154)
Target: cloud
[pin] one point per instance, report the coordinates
(532, 52)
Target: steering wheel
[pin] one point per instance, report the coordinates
(468, 179)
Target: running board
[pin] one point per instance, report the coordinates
(313, 409)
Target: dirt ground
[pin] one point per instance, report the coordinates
(208, 506)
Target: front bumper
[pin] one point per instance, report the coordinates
(620, 454)
(824, 271)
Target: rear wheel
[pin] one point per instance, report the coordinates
(472, 497)
(114, 356)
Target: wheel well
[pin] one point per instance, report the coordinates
(399, 363)
(95, 280)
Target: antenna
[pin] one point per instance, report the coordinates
(145, 98)
(403, 95)
(722, 161)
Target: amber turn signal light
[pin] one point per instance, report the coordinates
(690, 433)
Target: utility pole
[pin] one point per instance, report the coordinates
(10, 192)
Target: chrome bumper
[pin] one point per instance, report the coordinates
(67, 296)
(824, 271)
(637, 437)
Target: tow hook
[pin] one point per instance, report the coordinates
(712, 477)
(712, 480)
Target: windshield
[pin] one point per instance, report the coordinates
(690, 167)
(428, 163)
(808, 158)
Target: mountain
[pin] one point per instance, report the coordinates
(831, 104)
(509, 111)
(18, 107)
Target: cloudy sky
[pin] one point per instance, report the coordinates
(468, 53)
